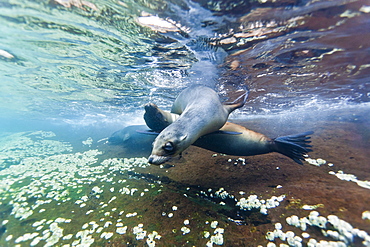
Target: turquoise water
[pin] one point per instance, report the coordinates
(74, 72)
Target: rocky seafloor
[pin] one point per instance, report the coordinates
(54, 194)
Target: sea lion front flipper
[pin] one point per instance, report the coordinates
(232, 106)
(147, 132)
(226, 132)
(157, 119)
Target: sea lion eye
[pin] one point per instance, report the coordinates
(168, 146)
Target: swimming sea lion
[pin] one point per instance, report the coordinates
(247, 143)
(131, 142)
(201, 112)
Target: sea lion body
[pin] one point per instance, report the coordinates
(201, 112)
(246, 143)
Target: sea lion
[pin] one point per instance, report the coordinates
(247, 143)
(131, 142)
(201, 112)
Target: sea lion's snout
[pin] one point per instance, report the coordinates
(157, 160)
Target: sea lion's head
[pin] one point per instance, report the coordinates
(168, 143)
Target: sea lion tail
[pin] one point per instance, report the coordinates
(294, 146)
(233, 105)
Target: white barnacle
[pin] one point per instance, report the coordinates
(312, 242)
(320, 161)
(97, 190)
(280, 198)
(290, 241)
(312, 161)
(333, 234)
(112, 199)
(289, 220)
(297, 239)
(290, 234)
(303, 223)
(108, 235)
(19, 239)
(214, 224)
(150, 242)
(139, 232)
(185, 230)
(84, 198)
(67, 237)
(107, 224)
(217, 239)
(295, 221)
(305, 235)
(313, 217)
(270, 236)
(121, 230)
(278, 226)
(333, 219)
(35, 241)
(366, 215)
(321, 222)
(282, 236)
(59, 220)
(263, 209)
(133, 190)
(131, 214)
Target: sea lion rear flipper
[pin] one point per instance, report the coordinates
(294, 146)
(232, 106)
